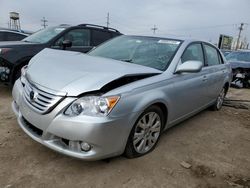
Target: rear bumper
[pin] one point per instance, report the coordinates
(107, 136)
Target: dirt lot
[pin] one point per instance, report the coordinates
(216, 144)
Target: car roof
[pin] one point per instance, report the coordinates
(110, 29)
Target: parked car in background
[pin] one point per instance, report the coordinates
(226, 52)
(119, 97)
(81, 38)
(11, 35)
(240, 63)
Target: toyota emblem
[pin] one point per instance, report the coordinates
(33, 96)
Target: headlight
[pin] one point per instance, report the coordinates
(24, 70)
(4, 50)
(92, 106)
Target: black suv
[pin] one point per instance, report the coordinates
(81, 38)
(11, 35)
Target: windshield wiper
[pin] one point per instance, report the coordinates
(127, 60)
(29, 41)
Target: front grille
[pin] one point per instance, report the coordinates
(32, 128)
(41, 101)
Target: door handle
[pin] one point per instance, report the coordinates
(223, 70)
(204, 78)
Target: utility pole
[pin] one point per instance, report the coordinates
(238, 39)
(107, 20)
(154, 29)
(44, 21)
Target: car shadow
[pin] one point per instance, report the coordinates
(5, 90)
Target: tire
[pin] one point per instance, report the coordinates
(219, 101)
(144, 136)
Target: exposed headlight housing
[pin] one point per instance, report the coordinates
(24, 70)
(92, 106)
(23, 73)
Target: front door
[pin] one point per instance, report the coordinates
(188, 89)
(80, 39)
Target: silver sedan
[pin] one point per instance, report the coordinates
(120, 97)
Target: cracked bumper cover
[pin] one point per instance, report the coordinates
(107, 136)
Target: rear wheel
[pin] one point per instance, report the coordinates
(145, 133)
(220, 99)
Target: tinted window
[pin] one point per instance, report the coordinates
(14, 36)
(193, 52)
(2, 38)
(212, 55)
(78, 37)
(100, 37)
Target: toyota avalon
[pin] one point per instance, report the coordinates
(120, 97)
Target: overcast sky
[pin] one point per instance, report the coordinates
(204, 19)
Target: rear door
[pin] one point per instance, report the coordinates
(216, 70)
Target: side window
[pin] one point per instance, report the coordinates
(220, 58)
(100, 37)
(193, 52)
(78, 37)
(14, 37)
(212, 55)
(2, 36)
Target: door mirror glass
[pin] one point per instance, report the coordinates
(189, 66)
(66, 44)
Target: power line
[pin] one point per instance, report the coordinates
(44, 21)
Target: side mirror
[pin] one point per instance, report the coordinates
(189, 66)
(66, 44)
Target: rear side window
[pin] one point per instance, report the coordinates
(100, 37)
(2, 34)
(212, 55)
(14, 37)
(193, 52)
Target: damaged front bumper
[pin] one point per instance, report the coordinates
(106, 136)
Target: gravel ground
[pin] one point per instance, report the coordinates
(210, 150)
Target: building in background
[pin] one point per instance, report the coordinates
(225, 42)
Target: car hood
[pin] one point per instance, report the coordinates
(239, 64)
(75, 73)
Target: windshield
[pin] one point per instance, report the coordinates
(147, 51)
(238, 56)
(44, 35)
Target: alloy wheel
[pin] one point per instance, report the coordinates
(220, 99)
(147, 132)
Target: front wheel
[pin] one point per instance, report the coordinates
(145, 133)
(219, 101)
